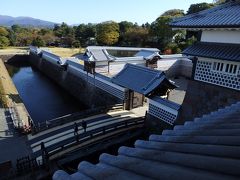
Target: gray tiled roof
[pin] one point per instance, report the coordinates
(122, 48)
(167, 103)
(140, 79)
(225, 15)
(205, 148)
(147, 54)
(222, 51)
(100, 53)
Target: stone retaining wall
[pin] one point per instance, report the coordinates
(85, 92)
(202, 98)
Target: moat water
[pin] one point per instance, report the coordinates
(43, 98)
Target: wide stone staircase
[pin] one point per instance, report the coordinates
(205, 148)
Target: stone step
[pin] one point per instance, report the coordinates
(216, 164)
(62, 175)
(208, 126)
(103, 171)
(212, 118)
(227, 120)
(78, 175)
(157, 170)
(219, 117)
(214, 140)
(228, 110)
(208, 132)
(225, 112)
(201, 149)
(211, 122)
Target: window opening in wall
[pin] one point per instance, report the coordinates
(225, 68)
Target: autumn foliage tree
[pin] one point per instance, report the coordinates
(107, 33)
(3, 37)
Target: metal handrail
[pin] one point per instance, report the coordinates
(67, 119)
(54, 148)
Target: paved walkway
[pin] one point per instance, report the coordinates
(177, 95)
(61, 133)
(11, 145)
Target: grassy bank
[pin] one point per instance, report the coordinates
(14, 50)
(63, 52)
(66, 52)
(3, 99)
(8, 91)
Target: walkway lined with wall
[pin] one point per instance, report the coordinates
(12, 99)
(63, 136)
(12, 145)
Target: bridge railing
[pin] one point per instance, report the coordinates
(98, 131)
(39, 127)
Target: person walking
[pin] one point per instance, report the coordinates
(76, 131)
(84, 125)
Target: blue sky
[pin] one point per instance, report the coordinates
(94, 11)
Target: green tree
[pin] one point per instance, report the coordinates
(76, 44)
(39, 42)
(124, 26)
(174, 13)
(194, 8)
(4, 42)
(136, 36)
(220, 1)
(3, 31)
(161, 32)
(65, 33)
(84, 32)
(107, 33)
(16, 28)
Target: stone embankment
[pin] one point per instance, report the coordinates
(10, 98)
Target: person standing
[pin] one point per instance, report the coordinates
(76, 131)
(84, 125)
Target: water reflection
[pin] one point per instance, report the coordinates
(43, 98)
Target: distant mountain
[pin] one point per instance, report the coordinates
(24, 21)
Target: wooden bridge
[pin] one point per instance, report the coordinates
(61, 140)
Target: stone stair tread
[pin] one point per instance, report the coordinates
(214, 140)
(78, 175)
(210, 163)
(203, 149)
(210, 122)
(215, 119)
(208, 132)
(208, 126)
(60, 174)
(102, 171)
(156, 170)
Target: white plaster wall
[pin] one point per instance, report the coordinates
(175, 67)
(223, 36)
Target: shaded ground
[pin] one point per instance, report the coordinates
(12, 145)
(177, 95)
